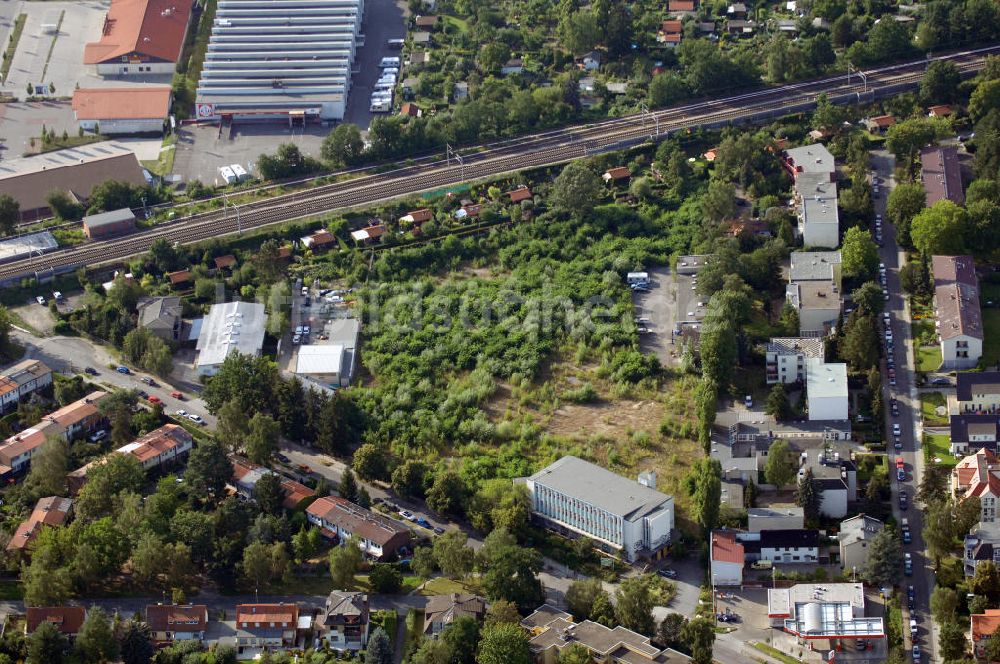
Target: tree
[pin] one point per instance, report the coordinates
(385, 579)
(579, 31)
(96, 640)
(704, 484)
(807, 498)
(269, 494)
(408, 478)
(860, 343)
(777, 404)
(985, 98)
(423, 563)
(634, 605)
(905, 201)
(939, 529)
(699, 636)
(885, 559)
(576, 190)
(10, 214)
(262, 438)
(64, 207)
(47, 474)
(868, 298)
(940, 83)
(136, 643)
(248, 379)
(348, 487)
(944, 604)
(575, 654)
(256, 564)
(370, 462)
(448, 493)
(379, 648)
(986, 580)
(510, 571)
(147, 559)
(504, 643)
(779, 469)
(671, 630)
(905, 139)
(232, 427)
(940, 229)
(343, 146)
(952, 641)
(665, 89)
(462, 637)
(46, 645)
(859, 254)
(208, 469)
(433, 651)
(452, 555)
(502, 611)
(120, 473)
(345, 561)
(719, 201)
(580, 597)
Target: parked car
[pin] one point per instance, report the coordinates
(907, 564)
(283, 459)
(148, 381)
(177, 395)
(40, 300)
(143, 394)
(903, 501)
(941, 380)
(196, 419)
(667, 573)
(152, 398)
(406, 514)
(98, 436)
(900, 475)
(90, 371)
(123, 370)
(181, 412)
(423, 522)
(438, 530)
(896, 429)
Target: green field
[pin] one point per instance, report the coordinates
(991, 337)
(929, 401)
(936, 446)
(928, 358)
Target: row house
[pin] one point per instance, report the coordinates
(79, 417)
(378, 536)
(958, 318)
(21, 381)
(175, 622)
(157, 448)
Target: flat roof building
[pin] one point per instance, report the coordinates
(288, 59)
(813, 158)
(826, 614)
(826, 390)
(785, 358)
(122, 110)
(231, 327)
(140, 37)
(815, 266)
(76, 171)
(27, 245)
(941, 175)
(628, 518)
(819, 217)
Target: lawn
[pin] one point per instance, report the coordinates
(937, 446)
(991, 337)
(443, 586)
(15, 37)
(929, 402)
(928, 358)
(775, 653)
(165, 163)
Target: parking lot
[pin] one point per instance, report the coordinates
(384, 20)
(23, 121)
(655, 311)
(81, 23)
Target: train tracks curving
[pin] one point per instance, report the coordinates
(542, 149)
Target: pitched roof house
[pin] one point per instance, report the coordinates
(266, 625)
(176, 622)
(51, 511)
(139, 37)
(983, 626)
(376, 535)
(68, 619)
(161, 316)
(522, 193)
(959, 320)
(442, 610)
(343, 622)
(977, 477)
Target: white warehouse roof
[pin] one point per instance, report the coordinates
(320, 359)
(825, 379)
(231, 327)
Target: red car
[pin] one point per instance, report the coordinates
(153, 399)
(177, 395)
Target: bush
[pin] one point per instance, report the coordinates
(385, 578)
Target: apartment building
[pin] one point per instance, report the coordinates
(785, 358)
(958, 318)
(977, 477)
(626, 518)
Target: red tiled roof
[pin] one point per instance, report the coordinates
(522, 193)
(883, 121)
(940, 110)
(225, 261)
(681, 5)
(295, 493)
(287, 615)
(710, 155)
(978, 474)
(984, 624)
(671, 27)
(179, 277)
(418, 216)
(68, 619)
(153, 28)
(671, 38)
(725, 548)
(177, 618)
(51, 511)
(320, 238)
(618, 173)
(359, 521)
(409, 108)
(148, 103)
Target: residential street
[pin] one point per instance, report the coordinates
(906, 393)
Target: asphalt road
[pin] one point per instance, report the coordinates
(908, 399)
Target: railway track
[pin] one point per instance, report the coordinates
(543, 149)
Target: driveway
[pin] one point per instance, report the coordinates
(384, 20)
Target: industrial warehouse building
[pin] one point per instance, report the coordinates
(140, 37)
(106, 224)
(124, 110)
(29, 180)
(279, 59)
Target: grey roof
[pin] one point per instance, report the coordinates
(859, 528)
(794, 538)
(807, 346)
(766, 512)
(813, 158)
(26, 245)
(344, 603)
(613, 493)
(152, 310)
(229, 327)
(814, 266)
(108, 218)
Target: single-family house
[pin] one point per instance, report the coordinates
(442, 610)
(417, 216)
(977, 477)
(343, 621)
(67, 619)
(320, 240)
(980, 545)
(512, 66)
(368, 235)
(939, 111)
(670, 32)
(177, 622)
(856, 533)
(266, 626)
(728, 559)
(981, 627)
(161, 316)
(880, 123)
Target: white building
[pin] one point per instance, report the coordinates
(784, 517)
(22, 380)
(232, 327)
(826, 390)
(728, 558)
(959, 323)
(818, 304)
(782, 546)
(333, 362)
(785, 358)
(822, 266)
(621, 516)
(808, 159)
(856, 534)
(819, 218)
(830, 617)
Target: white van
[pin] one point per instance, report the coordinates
(380, 106)
(240, 172)
(395, 43)
(389, 62)
(383, 86)
(227, 174)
